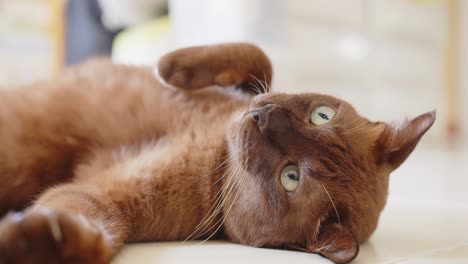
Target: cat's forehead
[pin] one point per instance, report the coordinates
(306, 101)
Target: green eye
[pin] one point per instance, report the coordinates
(322, 115)
(290, 177)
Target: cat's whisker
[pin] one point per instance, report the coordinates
(257, 89)
(201, 227)
(219, 167)
(254, 88)
(261, 83)
(208, 218)
(218, 205)
(225, 162)
(267, 86)
(355, 129)
(255, 84)
(219, 222)
(347, 124)
(333, 203)
(235, 174)
(233, 169)
(240, 186)
(215, 209)
(224, 194)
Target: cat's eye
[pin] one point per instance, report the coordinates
(322, 115)
(290, 177)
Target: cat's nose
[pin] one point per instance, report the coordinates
(259, 114)
(274, 123)
(271, 118)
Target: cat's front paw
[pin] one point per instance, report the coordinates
(231, 64)
(45, 236)
(186, 69)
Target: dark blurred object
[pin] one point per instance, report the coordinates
(86, 35)
(93, 24)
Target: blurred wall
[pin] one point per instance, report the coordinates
(388, 58)
(463, 73)
(31, 42)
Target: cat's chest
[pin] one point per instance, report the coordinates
(192, 143)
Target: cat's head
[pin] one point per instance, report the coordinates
(309, 173)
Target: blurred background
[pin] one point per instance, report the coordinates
(390, 58)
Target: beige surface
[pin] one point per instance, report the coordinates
(425, 221)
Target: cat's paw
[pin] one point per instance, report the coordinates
(234, 64)
(45, 236)
(187, 69)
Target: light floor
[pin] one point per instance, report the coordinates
(425, 221)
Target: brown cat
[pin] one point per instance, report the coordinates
(107, 155)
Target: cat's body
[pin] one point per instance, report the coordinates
(114, 156)
(126, 129)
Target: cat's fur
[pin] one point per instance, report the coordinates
(111, 155)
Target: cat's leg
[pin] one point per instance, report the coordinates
(84, 221)
(233, 64)
(155, 194)
(89, 223)
(69, 224)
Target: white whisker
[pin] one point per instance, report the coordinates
(334, 206)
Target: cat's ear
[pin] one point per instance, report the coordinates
(336, 243)
(397, 141)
